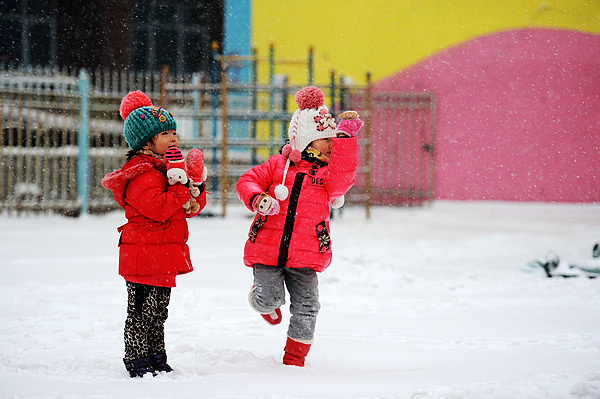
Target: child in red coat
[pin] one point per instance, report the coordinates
(152, 245)
(291, 192)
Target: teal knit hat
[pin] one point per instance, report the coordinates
(143, 120)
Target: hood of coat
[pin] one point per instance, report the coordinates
(117, 181)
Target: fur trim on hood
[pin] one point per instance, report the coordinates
(120, 177)
(117, 181)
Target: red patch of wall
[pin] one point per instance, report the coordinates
(518, 116)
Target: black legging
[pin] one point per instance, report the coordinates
(146, 315)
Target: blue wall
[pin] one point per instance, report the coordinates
(237, 40)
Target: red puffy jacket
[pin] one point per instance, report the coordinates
(152, 247)
(299, 235)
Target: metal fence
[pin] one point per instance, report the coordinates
(39, 142)
(239, 126)
(402, 149)
(62, 134)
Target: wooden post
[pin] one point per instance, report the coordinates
(432, 145)
(214, 103)
(82, 143)
(224, 138)
(369, 146)
(164, 77)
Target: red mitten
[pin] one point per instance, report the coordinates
(176, 170)
(350, 124)
(265, 205)
(195, 165)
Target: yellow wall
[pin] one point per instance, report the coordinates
(385, 36)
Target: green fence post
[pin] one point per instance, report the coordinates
(310, 65)
(82, 142)
(271, 96)
(254, 101)
(332, 93)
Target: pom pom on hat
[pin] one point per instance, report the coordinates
(338, 202)
(132, 101)
(281, 192)
(295, 156)
(309, 97)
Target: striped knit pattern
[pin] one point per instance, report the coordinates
(174, 155)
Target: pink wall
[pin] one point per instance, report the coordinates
(518, 116)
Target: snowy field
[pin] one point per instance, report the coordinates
(428, 302)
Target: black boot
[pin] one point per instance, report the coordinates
(139, 367)
(159, 363)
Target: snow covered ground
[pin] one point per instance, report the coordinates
(427, 302)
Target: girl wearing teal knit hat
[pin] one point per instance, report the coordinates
(153, 247)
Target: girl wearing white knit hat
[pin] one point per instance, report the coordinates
(291, 192)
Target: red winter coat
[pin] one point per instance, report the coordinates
(152, 247)
(299, 235)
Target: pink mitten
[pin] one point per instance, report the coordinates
(195, 165)
(175, 162)
(350, 124)
(265, 205)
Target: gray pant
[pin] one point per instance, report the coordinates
(303, 287)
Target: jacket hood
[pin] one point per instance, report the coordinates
(117, 181)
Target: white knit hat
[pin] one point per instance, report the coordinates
(311, 121)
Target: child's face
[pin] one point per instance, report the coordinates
(160, 143)
(323, 145)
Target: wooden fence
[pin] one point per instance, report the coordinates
(61, 134)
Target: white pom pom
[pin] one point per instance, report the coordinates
(281, 192)
(204, 174)
(338, 202)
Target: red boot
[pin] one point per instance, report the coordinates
(272, 318)
(295, 352)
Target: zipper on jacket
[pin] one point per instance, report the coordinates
(290, 219)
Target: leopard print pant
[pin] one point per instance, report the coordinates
(146, 315)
